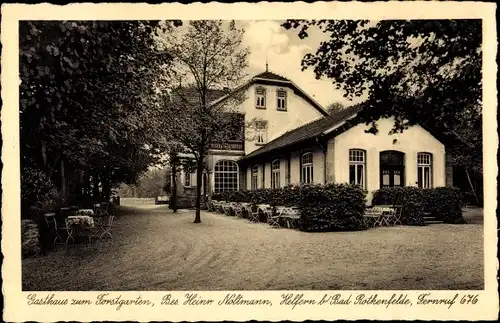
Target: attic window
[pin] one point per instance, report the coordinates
(260, 95)
(281, 96)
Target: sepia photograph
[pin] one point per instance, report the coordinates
(270, 161)
(251, 155)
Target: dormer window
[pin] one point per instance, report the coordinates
(260, 95)
(281, 96)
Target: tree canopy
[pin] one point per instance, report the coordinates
(208, 59)
(84, 111)
(419, 71)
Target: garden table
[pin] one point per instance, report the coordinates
(391, 214)
(226, 207)
(246, 208)
(290, 214)
(374, 216)
(75, 224)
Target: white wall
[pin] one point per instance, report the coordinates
(411, 141)
(298, 112)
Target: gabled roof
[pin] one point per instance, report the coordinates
(307, 131)
(273, 78)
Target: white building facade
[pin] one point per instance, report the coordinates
(296, 141)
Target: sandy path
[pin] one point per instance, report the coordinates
(154, 249)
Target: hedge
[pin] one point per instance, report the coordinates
(330, 207)
(444, 203)
(411, 198)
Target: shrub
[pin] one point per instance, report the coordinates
(445, 204)
(411, 198)
(37, 190)
(332, 207)
(29, 238)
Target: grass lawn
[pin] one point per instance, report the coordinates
(155, 249)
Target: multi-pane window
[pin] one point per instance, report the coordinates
(424, 169)
(260, 95)
(226, 176)
(306, 169)
(255, 177)
(357, 166)
(281, 96)
(187, 179)
(261, 132)
(275, 174)
(392, 169)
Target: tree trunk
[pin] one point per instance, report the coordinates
(64, 192)
(199, 174)
(472, 186)
(173, 197)
(95, 188)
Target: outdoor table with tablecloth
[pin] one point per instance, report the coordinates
(76, 224)
(290, 214)
(383, 215)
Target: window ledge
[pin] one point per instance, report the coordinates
(281, 110)
(259, 144)
(260, 108)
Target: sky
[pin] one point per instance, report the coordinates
(285, 51)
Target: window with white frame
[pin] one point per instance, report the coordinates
(306, 168)
(261, 132)
(260, 95)
(281, 98)
(275, 174)
(357, 167)
(255, 177)
(424, 170)
(225, 176)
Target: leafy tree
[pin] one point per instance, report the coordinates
(426, 72)
(208, 58)
(335, 107)
(84, 112)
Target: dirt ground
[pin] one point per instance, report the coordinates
(155, 249)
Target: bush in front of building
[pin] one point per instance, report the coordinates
(411, 198)
(445, 204)
(332, 207)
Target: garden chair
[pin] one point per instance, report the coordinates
(101, 209)
(226, 207)
(373, 217)
(50, 219)
(238, 209)
(210, 206)
(253, 214)
(273, 219)
(105, 227)
(398, 214)
(246, 209)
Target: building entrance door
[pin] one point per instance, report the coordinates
(391, 169)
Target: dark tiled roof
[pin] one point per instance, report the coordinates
(189, 95)
(271, 76)
(305, 132)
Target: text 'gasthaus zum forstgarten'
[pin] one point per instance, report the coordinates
(289, 300)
